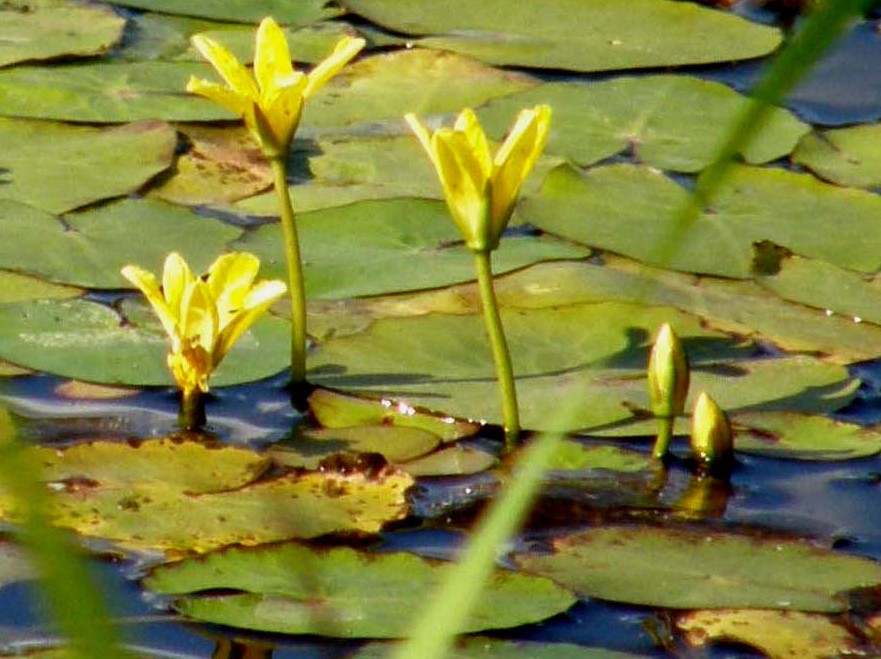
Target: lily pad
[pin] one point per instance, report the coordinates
(638, 34)
(106, 92)
(803, 437)
(563, 356)
(15, 287)
(335, 409)
(847, 156)
(375, 247)
(221, 165)
(362, 595)
(572, 455)
(686, 569)
(186, 497)
(47, 29)
(389, 85)
(671, 122)
(776, 634)
(635, 211)
(89, 341)
(40, 160)
(288, 12)
(89, 248)
(394, 443)
(455, 460)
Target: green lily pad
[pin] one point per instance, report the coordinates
(394, 443)
(687, 569)
(106, 92)
(15, 287)
(638, 34)
(670, 122)
(635, 211)
(89, 248)
(222, 165)
(803, 437)
(375, 247)
(88, 341)
(41, 159)
(186, 497)
(485, 647)
(773, 633)
(455, 460)
(335, 409)
(576, 456)
(362, 595)
(563, 356)
(389, 85)
(47, 29)
(287, 12)
(847, 156)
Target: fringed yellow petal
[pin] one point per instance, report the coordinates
(199, 320)
(230, 278)
(470, 127)
(458, 169)
(272, 58)
(149, 286)
(283, 110)
(228, 98)
(257, 301)
(176, 279)
(345, 50)
(230, 69)
(421, 133)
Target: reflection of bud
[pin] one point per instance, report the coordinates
(668, 374)
(668, 384)
(711, 438)
(705, 497)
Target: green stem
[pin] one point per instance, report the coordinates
(296, 285)
(665, 434)
(192, 410)
(501, 356)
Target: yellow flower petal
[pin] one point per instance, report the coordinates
(176, 279)
(342, 54)
(272, 58)
(230, 69)
(466, 198)
(229, 279)
(469, 126)
(257, 301)
(149, 286)
(228, 98)
(198, 316)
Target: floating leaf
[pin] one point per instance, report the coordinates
(563, 357)
(847, 156)
(389, 85)
(335, 409)
(40, 160)
(686, 569)
(362, 595)
(576, 456)
(290, 12)
(634, 211)
(47, 29)
(89, 248)
(455, 460)
(15, 287)
(803, 437)
(106, 92)
(89, 341)
(638, 34)
(670, 122)
(375, 247)
(222, 165)
(776, 634)
(394, 443)
(184, 496)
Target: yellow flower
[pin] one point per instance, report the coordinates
(481, 190)
(271, 99)
(204, 317)
(668, 374)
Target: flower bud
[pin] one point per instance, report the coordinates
(711, 438)
(668, 374)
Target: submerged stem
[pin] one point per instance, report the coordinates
(501, 356)
(296, 285)
(192, 409)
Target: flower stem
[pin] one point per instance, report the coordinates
(296, 285)
(665, 434)
(192, 410)
(501, 356)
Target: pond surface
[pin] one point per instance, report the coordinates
(774, 291)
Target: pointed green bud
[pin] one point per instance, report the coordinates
(712, 441)
(668, 374)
